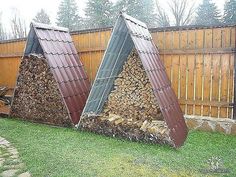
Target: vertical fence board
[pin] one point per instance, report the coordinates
(233, 37)
(155, 39)
(160, 38)
(231, 84)
(85, 59)
(183, 68)
(168, 64)
(176, 40)
(215, 82)
(191, 39)
(208, 38)
(206, 83)
(224, 83)
(199, 39)
(190, 92)
(183, 38)
(168, 40)
(216, 38)
(226, 36)
(175, 73)
(198, 86)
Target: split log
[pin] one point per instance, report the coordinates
(2, 103)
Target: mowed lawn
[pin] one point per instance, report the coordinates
(52, 151)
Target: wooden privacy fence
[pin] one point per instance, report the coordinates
(199, 62)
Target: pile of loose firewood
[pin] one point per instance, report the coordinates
(131, 110)
(37, 97)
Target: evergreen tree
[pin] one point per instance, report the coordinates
(99, 13)
(68, 15)
(42, 17)
(142, 10)
(230, 12)
(207, 14)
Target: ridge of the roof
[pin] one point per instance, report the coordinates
(49, 27)
(136, 21)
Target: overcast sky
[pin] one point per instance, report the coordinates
(29, 8)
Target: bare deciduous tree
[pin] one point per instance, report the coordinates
(3, 34)
(18, 26)
(182, 10)
(162, 17)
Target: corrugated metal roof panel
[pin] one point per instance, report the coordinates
(128, 33)
(57, 47)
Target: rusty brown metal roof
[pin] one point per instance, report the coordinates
(128, 33)
(56, 44)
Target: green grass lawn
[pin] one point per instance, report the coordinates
(52, 151)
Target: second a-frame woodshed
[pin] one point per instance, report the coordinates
(131, 96)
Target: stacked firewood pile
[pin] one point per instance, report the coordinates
(131, 110)
(37, 97)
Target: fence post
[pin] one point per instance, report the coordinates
(234, 104)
